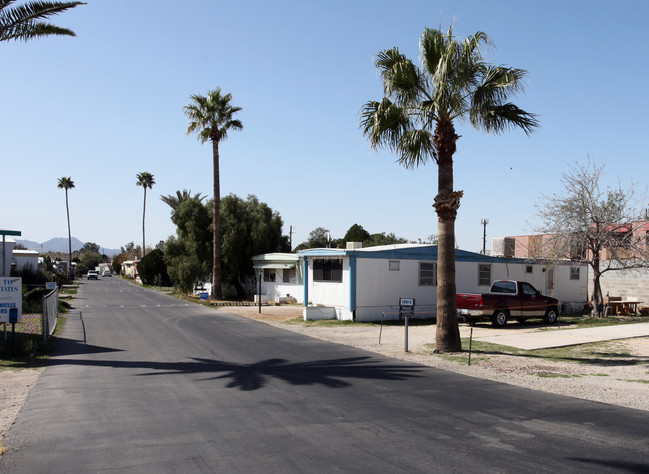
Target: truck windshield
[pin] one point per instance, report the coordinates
(504, 287)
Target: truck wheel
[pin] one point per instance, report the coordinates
(550, 316)
(499, 319)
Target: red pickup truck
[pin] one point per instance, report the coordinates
(508, 299)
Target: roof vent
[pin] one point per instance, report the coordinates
(503, 247)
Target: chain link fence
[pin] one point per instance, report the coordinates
(50, 313)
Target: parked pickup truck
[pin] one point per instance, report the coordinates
(508, 299)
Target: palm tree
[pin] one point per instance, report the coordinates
(415, 120)
(175, 201)
(145, 180)
(23, 22)
(67, 183)
(211, 118)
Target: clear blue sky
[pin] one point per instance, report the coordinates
(107, 105)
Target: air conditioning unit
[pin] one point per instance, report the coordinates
(354, 245)
(503, 247)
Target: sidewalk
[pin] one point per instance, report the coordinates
(558, 337)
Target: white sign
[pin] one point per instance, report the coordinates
(11, 297)
(50, 285)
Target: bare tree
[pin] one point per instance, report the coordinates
(600, 227)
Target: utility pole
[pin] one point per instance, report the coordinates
(290, 238)
(484, 223)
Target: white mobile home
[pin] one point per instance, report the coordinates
(363, 284)
(24, 259)
(281, 277)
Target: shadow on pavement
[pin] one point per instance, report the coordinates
(65, 347)
(334, 373)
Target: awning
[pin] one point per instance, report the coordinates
(275, 265)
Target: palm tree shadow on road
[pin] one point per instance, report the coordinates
(333, 373)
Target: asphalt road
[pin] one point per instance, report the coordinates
(163, 386)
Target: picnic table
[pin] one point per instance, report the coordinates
(618, 306)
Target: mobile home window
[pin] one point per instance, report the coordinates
(574, 273)
(328, 269)
(427, 274)
(484, 274)
(394, 265)
(288, 275)
(269, 274)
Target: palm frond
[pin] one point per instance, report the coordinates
(401, 78)
(23, 21)
(65, 183)
(496, 118)
(211, 116)
(383, 123)
(145, 179)
(432, 46)
(453, 83)
(415, 148)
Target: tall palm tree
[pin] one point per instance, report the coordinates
(211, 118)
(23, 22)
(67, 183)
(145, 180)
(175, 201)
(415, 120)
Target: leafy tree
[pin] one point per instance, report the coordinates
(90, 247)
(356, 233)
(383, 239)
(415, 119)
(117, 263)
(211, 118)
(175, 201)
(431, 239)
(88, 261)
(153, 270)
(145, 180)
(129, 251)
(318, 238)
(249, 228)
(586, 222)
(23, 22)
(67, 184)
(188, 255)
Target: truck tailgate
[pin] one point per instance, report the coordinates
(468, 301)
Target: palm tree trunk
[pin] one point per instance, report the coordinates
(143, 215)
(67, 209)
(447, 201)
(216, 226)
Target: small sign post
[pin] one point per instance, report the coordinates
(11, 305)
(11, 297)
(406, 310)
(13, 319)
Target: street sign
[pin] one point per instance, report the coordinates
(11, 297)
(406, 307)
